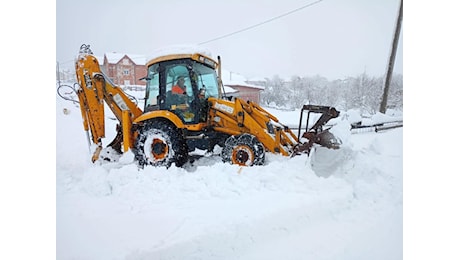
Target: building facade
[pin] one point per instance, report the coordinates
(125, 69)
(247, 91)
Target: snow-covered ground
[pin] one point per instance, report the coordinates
(344, 204)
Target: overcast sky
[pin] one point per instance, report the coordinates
(332, 38)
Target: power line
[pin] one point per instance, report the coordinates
(264, 22)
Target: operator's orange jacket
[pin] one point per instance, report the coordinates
(177, 90)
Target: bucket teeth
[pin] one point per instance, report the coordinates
(324, 138)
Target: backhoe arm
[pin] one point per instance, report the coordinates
(95, 89)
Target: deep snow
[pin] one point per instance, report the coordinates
(345, 204)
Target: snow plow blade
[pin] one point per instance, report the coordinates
(316, 134)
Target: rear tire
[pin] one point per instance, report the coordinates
(244, 150)
(160, 143)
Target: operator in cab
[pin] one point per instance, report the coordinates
(179, 95)
(179, 88)
(179, 100)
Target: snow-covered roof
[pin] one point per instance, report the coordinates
(230, 78)
(179, 49)
(115, 57)
(229, 90)
(244, 84)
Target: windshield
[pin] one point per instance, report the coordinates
(207, 80)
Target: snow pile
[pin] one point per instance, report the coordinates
(179, 49)
(336, 204)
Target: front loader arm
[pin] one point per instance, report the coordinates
(240, 117)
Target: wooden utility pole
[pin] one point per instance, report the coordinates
(394, 47)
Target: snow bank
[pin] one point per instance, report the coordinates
(290, 208)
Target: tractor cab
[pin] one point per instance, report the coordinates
(181, 83)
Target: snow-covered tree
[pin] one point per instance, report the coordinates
(361, 92)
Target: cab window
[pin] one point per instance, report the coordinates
(206, 79)
(152, 88)
(172, 76)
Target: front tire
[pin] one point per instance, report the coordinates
(160, 143)
(243, 150)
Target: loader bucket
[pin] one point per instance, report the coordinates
(323, 138)
(316, 133)
(327, 139)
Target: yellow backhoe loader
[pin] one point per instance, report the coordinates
(171, 125)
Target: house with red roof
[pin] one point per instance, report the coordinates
(241, 86)
(125, 69)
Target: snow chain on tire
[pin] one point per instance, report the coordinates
(244, 150)
(159, 143)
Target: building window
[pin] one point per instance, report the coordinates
(125, 72)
